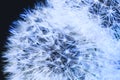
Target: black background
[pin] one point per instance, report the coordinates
(9, 12)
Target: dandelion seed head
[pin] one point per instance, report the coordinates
(64, 41)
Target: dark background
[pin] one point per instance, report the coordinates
(9, 12)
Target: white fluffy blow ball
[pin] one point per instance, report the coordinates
(66, 40)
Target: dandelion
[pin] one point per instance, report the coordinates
(63, 41)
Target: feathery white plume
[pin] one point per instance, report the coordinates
(66, 40)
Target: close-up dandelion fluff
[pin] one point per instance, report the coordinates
(65, 40)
